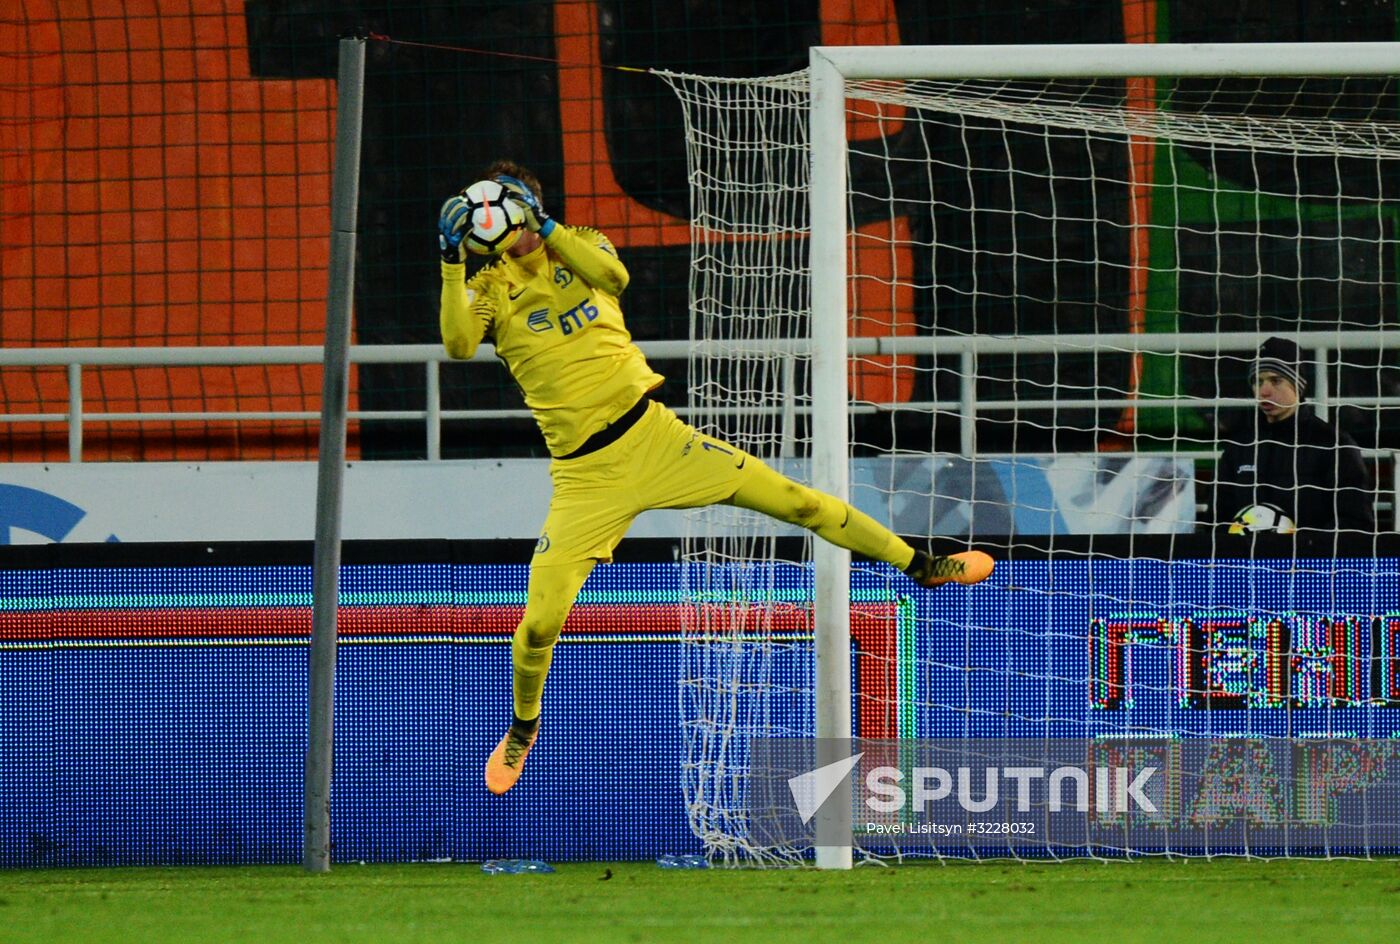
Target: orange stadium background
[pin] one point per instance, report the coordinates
(156, 194)
(155, 191)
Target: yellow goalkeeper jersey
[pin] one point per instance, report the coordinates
(554, 318)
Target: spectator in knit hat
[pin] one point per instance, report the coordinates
(1296, 471)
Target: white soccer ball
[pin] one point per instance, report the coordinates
(494, 222)
(1257, 518)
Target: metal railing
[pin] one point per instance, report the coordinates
(1323, 344)
(430, 356)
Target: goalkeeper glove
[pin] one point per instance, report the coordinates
(452, 228)
(536, 219)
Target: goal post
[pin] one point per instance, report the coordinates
(330, 468)
(915, 260)
(830, 450)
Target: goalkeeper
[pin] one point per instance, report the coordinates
(549, 304)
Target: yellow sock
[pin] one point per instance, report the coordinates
(863, 534)
(531, 666)
(827, 516)
(553, 589)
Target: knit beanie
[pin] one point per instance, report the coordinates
(1283, 358)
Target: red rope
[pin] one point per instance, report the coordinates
(380, 37)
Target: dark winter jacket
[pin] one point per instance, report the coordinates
(1303, 465)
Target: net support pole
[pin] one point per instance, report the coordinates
(330, 470)
(830, 447)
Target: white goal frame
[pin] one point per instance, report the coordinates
(830, 68)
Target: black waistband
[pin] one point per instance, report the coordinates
(612, 432)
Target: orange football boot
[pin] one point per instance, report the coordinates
(506, 762)
(966, 568)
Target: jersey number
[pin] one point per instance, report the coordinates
(577, 317)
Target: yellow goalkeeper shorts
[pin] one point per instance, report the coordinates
(661, 462)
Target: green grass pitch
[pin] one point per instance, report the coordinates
(1192, 901)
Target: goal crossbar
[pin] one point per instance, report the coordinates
(1106, 60)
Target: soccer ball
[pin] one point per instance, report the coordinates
(494, 222)
(1262, 518)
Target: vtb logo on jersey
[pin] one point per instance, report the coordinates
(539, 320)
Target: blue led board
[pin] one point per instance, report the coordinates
(158, 714)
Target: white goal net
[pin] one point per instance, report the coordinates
(1054, 292)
